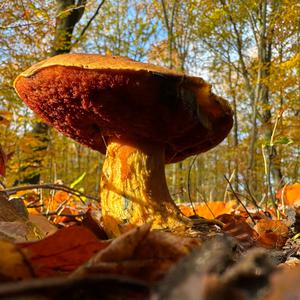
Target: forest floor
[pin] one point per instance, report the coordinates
(239, 253)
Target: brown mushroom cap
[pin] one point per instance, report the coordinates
(91, 98)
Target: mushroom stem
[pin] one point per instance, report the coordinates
(134, 189)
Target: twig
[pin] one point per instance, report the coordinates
(267, 167)
(188, 184)
(282, 197)
(239, 200)
(226, 190)
(206, 204)
(253, 199)
(22, 25)
(89, 22)
(49, 186)
(54, 213)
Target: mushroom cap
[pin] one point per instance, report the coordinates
(92, 98)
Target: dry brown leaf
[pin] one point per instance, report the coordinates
(43, 224)
(272, 233)
(237, 227)
(13, 223)
(124, 247)
(139, 253)
(13, 231)
(164, 245)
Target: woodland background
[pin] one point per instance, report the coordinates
(248, 50)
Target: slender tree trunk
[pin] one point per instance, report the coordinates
(69, 13)
(265, 56)
(235, 127)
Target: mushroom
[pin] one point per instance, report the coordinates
(141, 115)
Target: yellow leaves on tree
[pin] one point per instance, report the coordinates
(2, 161)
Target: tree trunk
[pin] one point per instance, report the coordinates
(264, 57)
(69, 12)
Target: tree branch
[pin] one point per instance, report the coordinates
(89, 22)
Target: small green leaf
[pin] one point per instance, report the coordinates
(78, 180)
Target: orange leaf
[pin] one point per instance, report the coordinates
(63, 251)
(209, 210)
(272, 233)
(290, 194)
(186, 210)
(213, 209)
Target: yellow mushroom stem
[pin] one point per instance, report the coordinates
(134, 189)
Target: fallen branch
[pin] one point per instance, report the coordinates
(49, 186)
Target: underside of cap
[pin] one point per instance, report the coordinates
(91, 105)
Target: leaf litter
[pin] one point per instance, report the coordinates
(240, 260)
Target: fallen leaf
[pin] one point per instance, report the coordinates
(125, 246)
(237, 227)
(13, 231)
(272, 233)
(43, 224)
(14, 223)
(213, 209)
(139, 253)
(290, 194)
(186, 209)
(208, 210)
(62, 252)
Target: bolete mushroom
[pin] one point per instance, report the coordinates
(141, 115)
